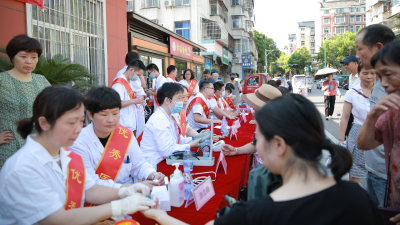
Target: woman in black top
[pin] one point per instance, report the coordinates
(290, 138)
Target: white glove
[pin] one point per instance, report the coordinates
(134, 188)
(130, 205)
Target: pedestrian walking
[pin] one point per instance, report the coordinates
(330, 89)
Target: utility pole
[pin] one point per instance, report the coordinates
(349, 50)
(266, 58)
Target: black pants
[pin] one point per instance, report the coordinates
(349, 124)
(200, 130)
(329, 105)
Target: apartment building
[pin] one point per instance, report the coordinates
(305, 36)
(292, 44)
(223, 27)
(384, 12)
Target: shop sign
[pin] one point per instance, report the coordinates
(218, 49)
(180, 48)
(225, 57)
(307, 69)
(246, 60)
(207, 63)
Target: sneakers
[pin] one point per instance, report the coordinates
(327, 118)
(330, 117)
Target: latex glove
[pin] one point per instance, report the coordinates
(131, 205)
(133, 189)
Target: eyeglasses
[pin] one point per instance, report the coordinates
(210, 88)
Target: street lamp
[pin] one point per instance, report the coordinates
(324, 52)
(266, 57)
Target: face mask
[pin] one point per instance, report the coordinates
(134, 78)
(232, 78)
(152, 76)
(223, 93)
(178, 107)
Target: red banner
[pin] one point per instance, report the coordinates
(180, 48)
(34, 2)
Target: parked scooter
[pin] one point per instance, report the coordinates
(346, 86)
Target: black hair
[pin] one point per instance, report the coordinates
(152, 66)
(131, 56)
(278, 83)
(206, 72)
(170, 69)
(283, 90)
(212, 72)
(51, 103)
(191, 74)
(136, 65)
(390, 52)
(204, 84)
(218, 86)
(23, 43)
(102, 98)
(272, 83)
(230, 85)
(168, 90)
(377, 33)
(228, 89)
(302, 129)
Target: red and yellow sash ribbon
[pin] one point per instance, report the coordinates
(171, 78)
(155, 100)
(230, 103)
(182, 123)
(75, 184)
(192, 86)
(114, 154)
(126, 85)
(223, 102)
(200, 101)
(216, 99)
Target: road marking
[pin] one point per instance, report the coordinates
(330, 136)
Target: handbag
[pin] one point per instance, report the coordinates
(385, 212)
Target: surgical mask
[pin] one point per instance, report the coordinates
(232, 78)
(152, 76)
(178, 107)
(223, 93)
(134, 78)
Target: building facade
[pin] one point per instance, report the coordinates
(292, 44)
(223, 28)
(384, 12)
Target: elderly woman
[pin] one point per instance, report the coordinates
(190, 82)
(237, 88)
(18, 89)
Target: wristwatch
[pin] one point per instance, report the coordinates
(154, 174)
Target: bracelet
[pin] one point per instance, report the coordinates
(154, 174)
(237, 153)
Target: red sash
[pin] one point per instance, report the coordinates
(171, 79)
(200, 101)
(223, 103)
(155, 100)
(192, 86)
(230, 103)
(126, 85)
(216, 99)
(75, 184)
(182, 123)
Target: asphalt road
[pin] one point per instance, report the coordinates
(332, 125)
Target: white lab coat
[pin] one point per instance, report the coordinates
(185, 83)
(198, 109)
(160, 137)
(159, 82)
(90, 148)
(170, 80)
(220, 105)
(32, 184)
(129, 113)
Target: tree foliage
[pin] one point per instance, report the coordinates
(337, 49)
(264, 43)
(300, 58)
(57, 70)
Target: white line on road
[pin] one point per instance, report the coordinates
(330, 136)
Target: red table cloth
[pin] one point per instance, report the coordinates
(226, 184)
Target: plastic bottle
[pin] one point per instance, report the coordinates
(176, 187)
(206, 149)
(188, 179)
(187, 160)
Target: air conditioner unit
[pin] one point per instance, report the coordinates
(234, 55)
(168, 3)
(237, 61)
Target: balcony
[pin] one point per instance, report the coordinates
(392, 22)
(150, 4)
(212, 30)
(249, 27)
(340, 24)
(237, 3)
(249, 46)
(218, 8)
(312, 33)
(312, 41)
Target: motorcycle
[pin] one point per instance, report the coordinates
(346, 86)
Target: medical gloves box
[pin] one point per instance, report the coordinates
(162, 194)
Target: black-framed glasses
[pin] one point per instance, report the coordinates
(210, 88)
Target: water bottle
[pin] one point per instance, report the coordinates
(188, 179)
(206, 149)
(187, 160)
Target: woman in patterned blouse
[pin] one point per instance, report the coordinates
(18, 89)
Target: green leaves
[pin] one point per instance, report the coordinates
(58, 71)
(264, 43)
(299, 59)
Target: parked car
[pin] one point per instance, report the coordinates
(253, 82)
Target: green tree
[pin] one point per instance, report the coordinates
(281, 64)
(299, 59)
(264, 43)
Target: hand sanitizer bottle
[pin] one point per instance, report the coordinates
(176, 187)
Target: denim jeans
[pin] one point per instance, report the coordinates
(376, 187)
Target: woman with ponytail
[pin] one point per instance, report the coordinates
(45, 183)
(290, 142)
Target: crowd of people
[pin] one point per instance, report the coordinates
(53, 168)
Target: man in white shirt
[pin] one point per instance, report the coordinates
(129, 99)
(199, 108)
(154, 73)
(172, 71)
(128, 165)
(351, 64)
(138, 84)
(161, 136)
(218, 100)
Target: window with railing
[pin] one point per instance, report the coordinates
(236, 2)
(129, 5)
(237, 22)
(302, 36)
(312, 30)
(339, 19)
(150, 3)
(351, 19)
(303, 43)
(183, 29)
(245, 45)
(340, 10)
(238, 47)
(73, 29)
(358, 18)
(351, 9)
(351, 29)
(326, 30)
(312, 37)
(359, 9)
(182, 2)
(326, 11)
(218, 10)
(326, 20)
(312, 45)
(340, 30)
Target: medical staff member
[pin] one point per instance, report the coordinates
(154, 73)
(199, 107)
(111, 154)
(218, 100)
(190, 82)
(128, 97)
(161, 136)
(172, 71)
(138, 84)
(46, 183)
